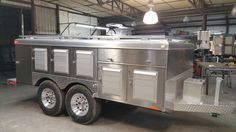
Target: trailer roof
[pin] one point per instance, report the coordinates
(122, 42)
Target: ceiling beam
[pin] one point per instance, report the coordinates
(124, 9)
(119, 8)
(198, 4)
(56, 2)
(194, 12)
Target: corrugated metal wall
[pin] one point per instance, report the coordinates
(45, 20)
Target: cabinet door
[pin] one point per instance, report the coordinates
(112, 81)
(23, 64)
(61, 61)
(145, 85)
(84, 63)
(40, 59)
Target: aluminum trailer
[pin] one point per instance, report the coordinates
(77, 73)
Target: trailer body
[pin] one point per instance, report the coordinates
(145, 71)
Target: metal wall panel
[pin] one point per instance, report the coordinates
(45, 20)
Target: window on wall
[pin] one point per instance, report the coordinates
(73, 30)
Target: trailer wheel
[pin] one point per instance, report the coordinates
(51, 98)
(81, 106)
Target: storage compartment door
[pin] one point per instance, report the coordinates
(145, 85)
(40, 59)
(84, 63)
(112, 83)
(23, 64)
(61, 61)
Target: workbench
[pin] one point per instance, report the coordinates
(221, 69)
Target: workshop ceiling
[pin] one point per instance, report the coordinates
(106, 8)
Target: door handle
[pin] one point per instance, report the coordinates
(110, 59)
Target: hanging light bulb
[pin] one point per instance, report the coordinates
(233, 12)
(186, 19)
(133, 24)
(150, 17)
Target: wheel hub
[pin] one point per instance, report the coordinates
(79, 104)
(48, 98)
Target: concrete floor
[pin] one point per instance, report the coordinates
(19, 112)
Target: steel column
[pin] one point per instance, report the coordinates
(22, 22)
(57, 20)
(227, 23)
(204, 23)
(33, 18)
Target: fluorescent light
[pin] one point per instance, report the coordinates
(84, 26)
(233, 12)
(115, 25)
(90, 26)
(102, 28)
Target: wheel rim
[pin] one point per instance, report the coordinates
(48, 98)
(79, 104)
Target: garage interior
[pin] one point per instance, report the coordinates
(208, 25)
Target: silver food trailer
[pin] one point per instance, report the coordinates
(75, 74)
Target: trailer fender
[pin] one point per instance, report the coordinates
(75, 83)
(39, 81)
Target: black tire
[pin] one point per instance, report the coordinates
(98, 109)
(59, 106)
(94, 106)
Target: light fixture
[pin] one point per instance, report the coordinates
(186, 19)
(133, 24)
(102, 28)
(150, 17)
(84, 26)
(116, 25)
(91, 26)
(233, 12)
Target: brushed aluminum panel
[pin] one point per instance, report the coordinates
(135, 57)
(206, 107)
(179, 61)
(159, 97)
(193, 90)
(61, 60)
(112, 81)
(84, 63)
(64, 81)
(139, 43)
(41, 59)
(145, 85)
(115, 62)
